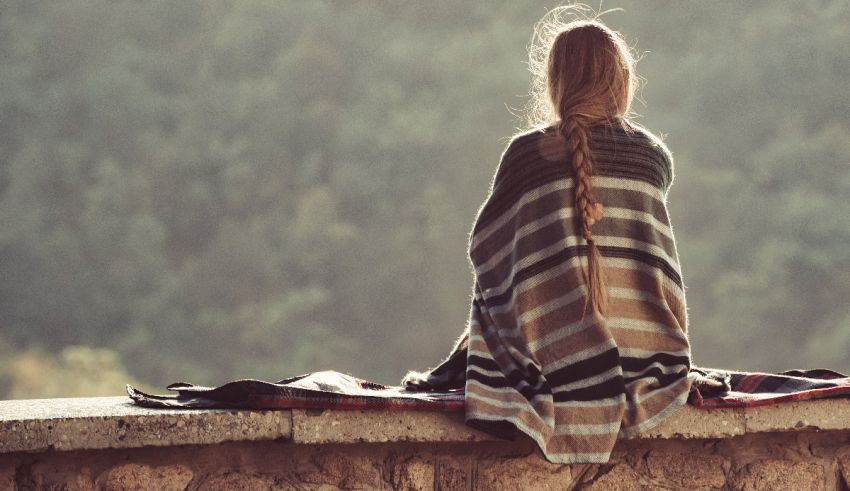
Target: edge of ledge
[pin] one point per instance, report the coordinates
(115, 422)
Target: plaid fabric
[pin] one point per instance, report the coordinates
(334, 390)
(320, 390)
(752, 389)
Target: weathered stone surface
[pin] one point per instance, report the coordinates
(7, 474)
(403, 450)
(771, 475)
(621, 477)
(237, 481)
(688, 470)
(84, 481)
(42, 474)
(139, 477)
(824, 414)
(842, 458)
(340, 470)
(115, 422)
(690, 422)
(454, 474)
(518, 473)
(344, 426)
(415, 474)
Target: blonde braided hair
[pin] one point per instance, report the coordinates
(582, 75)
(590, 210)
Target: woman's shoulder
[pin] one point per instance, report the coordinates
(521, 142)
(522, 154)
(630, 138)
(637, 131)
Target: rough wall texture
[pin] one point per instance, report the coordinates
(770, 461)
(111, 444)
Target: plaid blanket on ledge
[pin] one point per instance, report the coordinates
(334, 390)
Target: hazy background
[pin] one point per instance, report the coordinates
(207, 190)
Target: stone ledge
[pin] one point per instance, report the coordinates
(115, 422)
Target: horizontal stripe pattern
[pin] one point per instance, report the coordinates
(535, 360)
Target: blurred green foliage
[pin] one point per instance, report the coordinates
(208, 190)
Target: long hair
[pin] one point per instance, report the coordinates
(582, 76)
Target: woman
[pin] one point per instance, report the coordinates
(578, 326)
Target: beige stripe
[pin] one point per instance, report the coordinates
(653, 327)
(566, 443)
(637, 266)
(581, 413)
(648, 341)
(643, 311)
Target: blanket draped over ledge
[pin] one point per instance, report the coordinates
(532, 359)
(335, 390)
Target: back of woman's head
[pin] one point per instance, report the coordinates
(589, 73)
(580, 68)
(583, 75)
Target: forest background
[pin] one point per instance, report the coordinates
(208, 190)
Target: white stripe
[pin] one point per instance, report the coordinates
(526, 198)
(551, 305)
(620, 184)
(524, 262)
(639, 216)
(566, 330)
(532, 282)
(634, 294)
(526, 404)
(527, 229)
(536, 344)
(642, 353)
(580, 355)
(588, 429)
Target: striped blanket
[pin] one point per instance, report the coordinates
(532, 359)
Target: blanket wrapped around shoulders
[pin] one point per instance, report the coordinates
(533, 358)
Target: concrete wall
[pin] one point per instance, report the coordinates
(106, 443)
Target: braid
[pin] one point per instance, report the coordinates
(588, 208)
